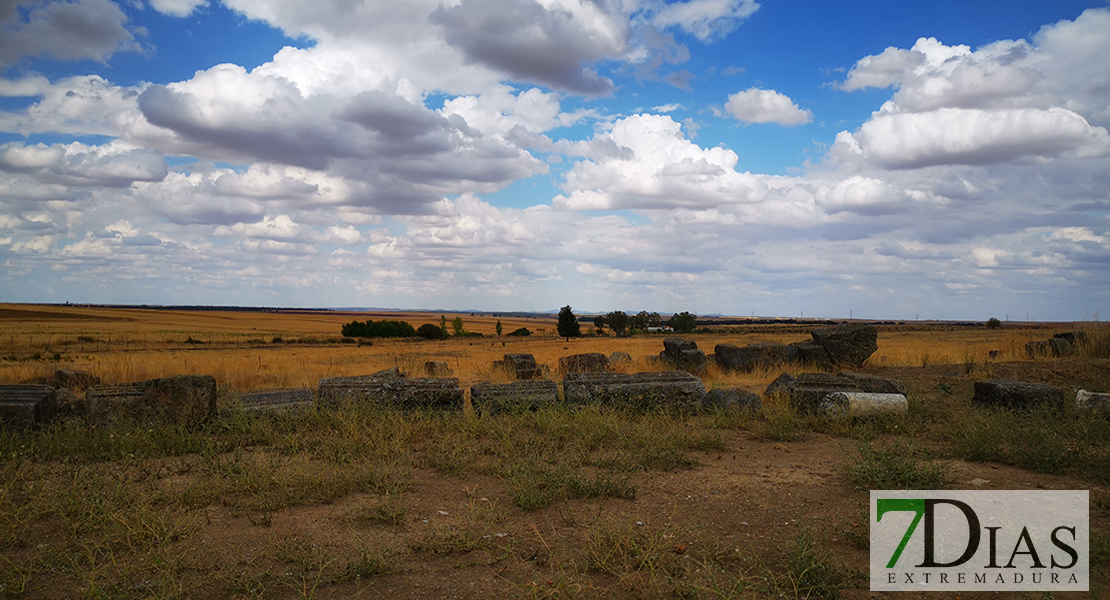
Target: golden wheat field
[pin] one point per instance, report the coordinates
(250, 350)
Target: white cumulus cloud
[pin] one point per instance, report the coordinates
(766, 106)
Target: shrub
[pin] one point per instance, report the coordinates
(993, 323)
(522, 332)
(383, 329)
(430, 331)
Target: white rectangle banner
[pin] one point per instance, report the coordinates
(954, 540)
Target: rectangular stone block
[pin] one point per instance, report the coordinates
(1016, 394)
(676, 389)
(440, 392)
(593, 362)
(24, 406)
(532, 394)
(266, 400)
(184, 399)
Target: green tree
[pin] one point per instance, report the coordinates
(430, 331)
(599, 323)
(443, 325)
(683, 322)
(497, 328)
(993, 323)
(457, 327)
(643, 319)
(618, 322)
(568, 323)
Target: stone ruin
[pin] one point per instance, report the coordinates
(437, 368)
(184, 399)
(520, 366)
(1061, 344)
(24, 406)
(671, 389)
(620, 357)
(593, 362)
(732, 399)
(272, 400)
(1016, 394)
(847, 344)
(392, 388)
(1096, 401)
(808, 392)
(526, 394)
(684, 355)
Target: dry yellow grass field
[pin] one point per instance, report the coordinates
(250, 350)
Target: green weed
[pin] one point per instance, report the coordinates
(895, 466)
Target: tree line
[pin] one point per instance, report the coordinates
(428, 331)
(622, 324)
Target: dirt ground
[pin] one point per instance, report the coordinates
(754, 497)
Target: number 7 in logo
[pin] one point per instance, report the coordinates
(885, 505)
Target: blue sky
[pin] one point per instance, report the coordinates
(880, 159)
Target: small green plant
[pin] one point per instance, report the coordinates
(780, 423)
(895, 465)
(367, 565)
(390, 509)
(809, 570)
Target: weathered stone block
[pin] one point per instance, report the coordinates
(864, 404)
(74, 380)
(731, 358)
(24, 406)
(1060, 347)
(185, 399)
(781, 385)
(437, 368)
(388, 373)
(875, 384)
(1038, 349)
(807, 353)
(593, 362)
(267, 400)
(1075, 338)
(848, 343)
(677, 389)
(69, 404)
(811, 388)
(1016, 394)
(673, 346)
(1096, 401)
(731, 399)
(693, 361)
(620, 357)
(522, 366)
(438, 392)
(531, 394)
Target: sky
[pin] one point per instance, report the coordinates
(867, 159)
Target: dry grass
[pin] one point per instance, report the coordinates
(260, 350)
